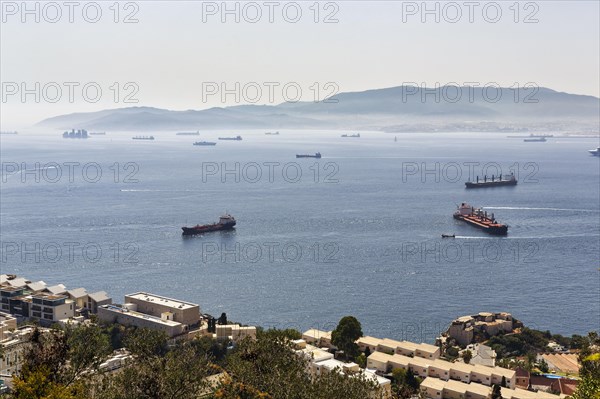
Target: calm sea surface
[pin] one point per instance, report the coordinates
(357, 232)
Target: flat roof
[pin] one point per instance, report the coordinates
(369, 340)
(314, 333)
(162, 300)
(117, 309)
(380, 356)
(433, 383)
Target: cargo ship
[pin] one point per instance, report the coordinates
(236, 138)
(511, 181)
(351, 135)
(479, 218)
(226, 222)
(595, 152)
(205, 143)
(196, 133)
(272, 134)
(536, 140)
(316, 155)
(143, 138)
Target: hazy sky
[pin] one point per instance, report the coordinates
(180, 50)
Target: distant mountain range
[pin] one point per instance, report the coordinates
(374, 109)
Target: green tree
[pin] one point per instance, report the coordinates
(270, 367)
(178, 373)
(467, 356)
(404, 383)
(345, 335)
(496, 392)
(452, 352)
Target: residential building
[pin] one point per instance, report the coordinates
(50, 309)
(439, 389)
(97, 299)
(441, 369)
(318, 338)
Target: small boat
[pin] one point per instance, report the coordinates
(236, 138)
(205, 143)
(143, 138)
(316, 155)
(448, 236)
(595, 152)
(536, 140)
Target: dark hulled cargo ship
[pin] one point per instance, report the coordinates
(226, 222)
(479, 218)
(511, 181)
(316, 155)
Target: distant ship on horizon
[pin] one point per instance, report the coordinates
(205, 143)
(236, 138)
(536, 140)
(143, 138)
(196, 133)
(351, 135)
(7, 133)
(316, 155)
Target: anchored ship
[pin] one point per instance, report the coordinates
(226, 222)
(511, 181)
(205, 143)
(143, 138)
(272, 134)
(476, 217)
(196, 133)
(236, 138)
(595, 152)
(351, 135)
(316, 155)
(536, 140)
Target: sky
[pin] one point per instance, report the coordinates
(194, 55)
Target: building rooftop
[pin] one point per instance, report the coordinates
(36, 286)
(117, 309)
(162, 300)
(56, 289)
(99, 296)
(372, 341)
(77, 292)
(17, 282)
(317, 334)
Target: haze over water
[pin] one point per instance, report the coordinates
(368, 226)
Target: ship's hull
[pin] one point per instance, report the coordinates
(482, 184)
(488, 227)
(307, 156)
(206, 144)
(190, 231)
